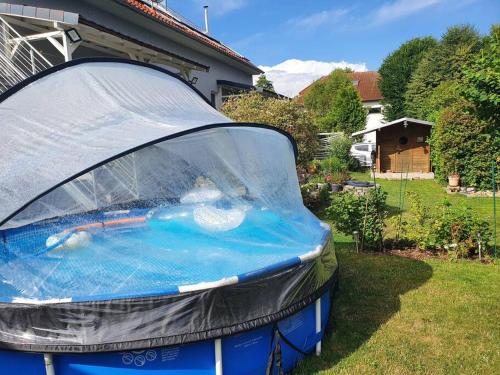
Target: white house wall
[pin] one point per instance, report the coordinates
(373, 120)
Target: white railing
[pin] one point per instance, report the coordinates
(18, 58)
(325, 144)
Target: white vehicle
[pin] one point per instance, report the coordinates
(363, 153)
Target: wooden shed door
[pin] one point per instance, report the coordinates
(401, 159)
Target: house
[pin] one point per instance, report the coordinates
(401, 146)
(366, 83)
(37, 34)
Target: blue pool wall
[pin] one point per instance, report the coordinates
(244, 353)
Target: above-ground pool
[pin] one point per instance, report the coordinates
(149, 233)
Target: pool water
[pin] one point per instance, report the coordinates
(170, 248)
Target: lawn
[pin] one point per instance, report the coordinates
(396, 315)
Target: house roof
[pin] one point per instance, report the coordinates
(367, 85)
(404, 120)
(365, 82)
(191, 32)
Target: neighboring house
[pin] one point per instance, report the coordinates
(401, 146)
(36, 34)
(367, 85)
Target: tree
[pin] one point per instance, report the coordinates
(461, 143)
(441, 63)
(446, 94)
(396, 72)
(347, 113)
(335, 104)
(264, 83)
(282, 113)
(482, 78)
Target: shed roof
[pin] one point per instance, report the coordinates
(403, 120)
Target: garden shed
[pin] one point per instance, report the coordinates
(402, 146)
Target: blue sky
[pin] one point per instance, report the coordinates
(307, 38)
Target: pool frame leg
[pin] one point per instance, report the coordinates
(49, 364)
(318, 325)
(218, 356)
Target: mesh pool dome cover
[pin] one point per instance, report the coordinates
(125, 199)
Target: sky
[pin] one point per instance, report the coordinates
(298, 41)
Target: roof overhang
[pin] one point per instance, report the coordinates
(38, 13)
(96, 36)
(405, 121)
(145, 19)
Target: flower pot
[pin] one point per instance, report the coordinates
(454, 180)
(335, 188)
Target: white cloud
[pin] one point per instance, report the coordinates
(400, 8)
(293, 75)
(221, 7)
(318, 19)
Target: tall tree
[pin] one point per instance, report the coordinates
(482, 78)
(396, 72)
(264, 83)
(335, 104)
(441, 63)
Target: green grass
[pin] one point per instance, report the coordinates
(395, 315)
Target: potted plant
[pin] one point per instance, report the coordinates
(454, 180)
(312, 168)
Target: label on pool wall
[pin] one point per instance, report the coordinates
(139, 358)
(170, 354)
(251, 342)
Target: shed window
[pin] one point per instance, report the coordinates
(403, 140)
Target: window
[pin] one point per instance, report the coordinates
(362, 148)
(403, 140)
(420, 140)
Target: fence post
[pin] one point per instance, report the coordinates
(494, 187)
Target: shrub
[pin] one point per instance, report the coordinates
(282, 113)
(334, 170)
(462, 143)
(446, 94)
(456, 230)
(412, 227)
(362, 213)
(314, 194)
(482, 78)
(340, 147)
